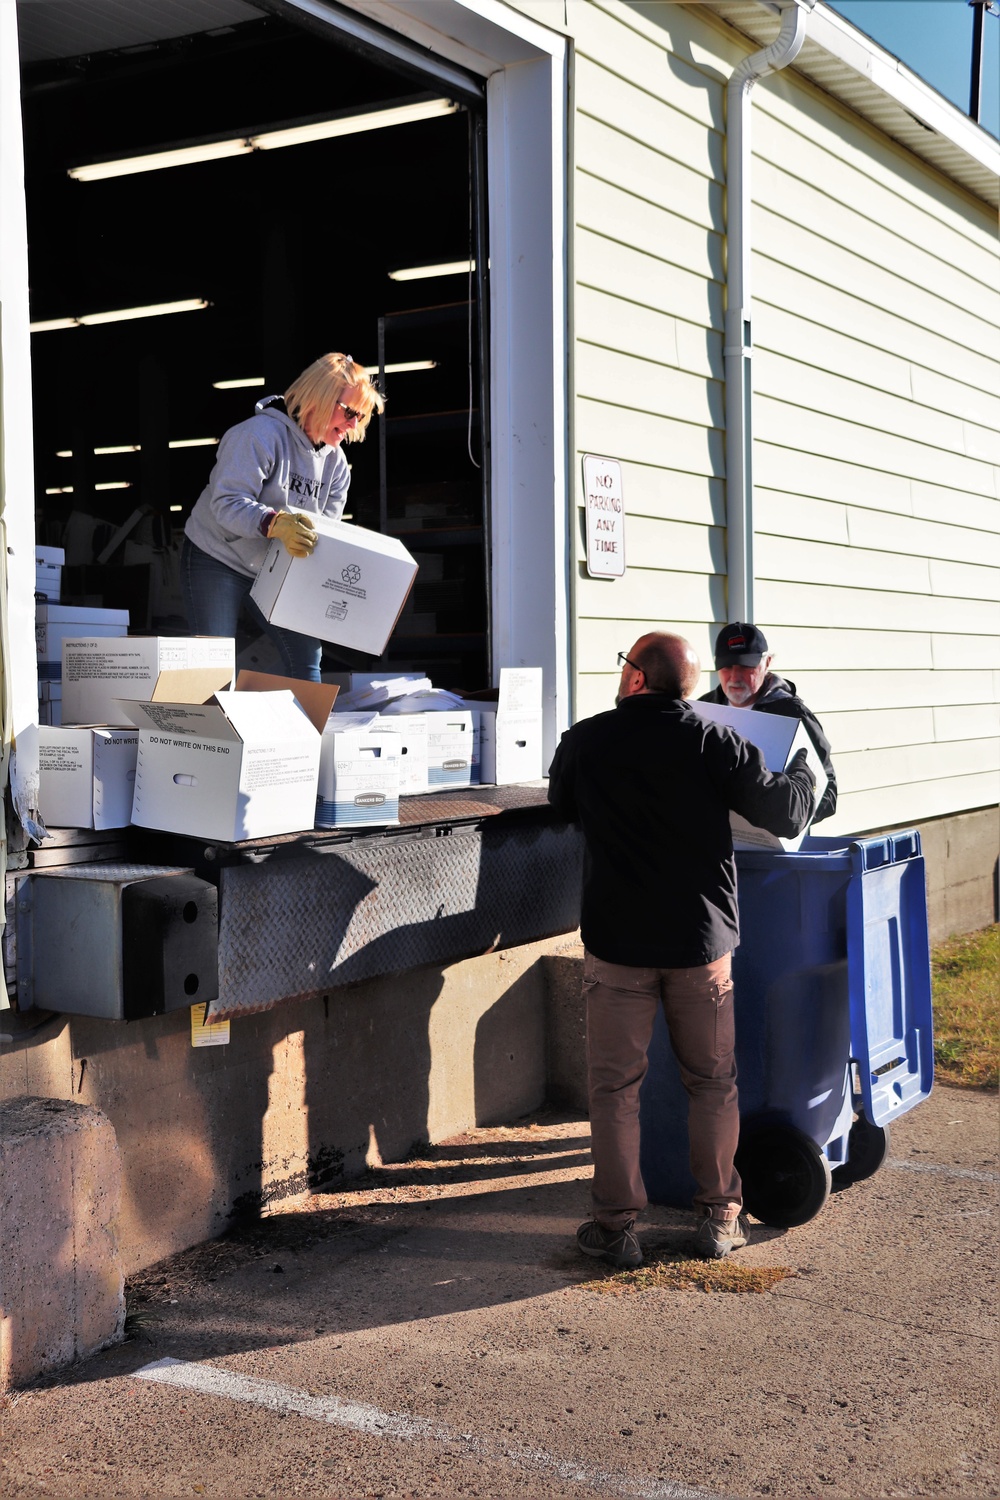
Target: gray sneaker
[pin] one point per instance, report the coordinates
(619, 1247)
(715, 1238)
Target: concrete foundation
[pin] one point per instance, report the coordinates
(61, 1283)
(302, 1096)
(961, 854)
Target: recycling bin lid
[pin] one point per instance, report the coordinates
(888, 964)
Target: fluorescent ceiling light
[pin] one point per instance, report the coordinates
(155, 310)
(60, 489)
(115, 484)
(376, 119)
(180, 156)
(410, 364)
(444, 268)
(236, 385)
(122, 314)
(294, 134)
(205, 442)
(177, 507)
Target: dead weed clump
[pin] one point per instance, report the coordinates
(673, 1272)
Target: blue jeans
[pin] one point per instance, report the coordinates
(213, 598)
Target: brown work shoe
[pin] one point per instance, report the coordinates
(619, 1247)
(715, 1238)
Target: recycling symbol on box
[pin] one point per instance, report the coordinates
(351, 574)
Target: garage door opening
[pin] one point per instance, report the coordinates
(166, 301)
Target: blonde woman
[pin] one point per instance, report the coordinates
(272, 472)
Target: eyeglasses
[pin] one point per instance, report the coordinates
(635, 667)
(350, 413)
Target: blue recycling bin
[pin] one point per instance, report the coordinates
(834, 1034)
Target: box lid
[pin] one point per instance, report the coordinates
(316, 699)
(265, 716)
(194, 720)
(189, 684)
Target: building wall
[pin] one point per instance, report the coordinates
(876, 418)
(302, 1096)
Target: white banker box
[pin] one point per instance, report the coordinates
(243, 765)
(54, 622)
(86, 776)
(778, 739)
(413, 731)
(359, 771)
(97, 675)
(510, 728)
(350, 589)
(48, 572)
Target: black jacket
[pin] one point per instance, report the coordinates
(651, 784)
(779, 697)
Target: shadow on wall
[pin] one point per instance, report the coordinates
(509, 1055)
(366, 1088)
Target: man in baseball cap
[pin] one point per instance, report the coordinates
(743, 662)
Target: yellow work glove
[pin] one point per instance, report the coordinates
(295, 531)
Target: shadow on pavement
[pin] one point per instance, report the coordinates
(408, 1242)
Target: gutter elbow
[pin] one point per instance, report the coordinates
(783, 50)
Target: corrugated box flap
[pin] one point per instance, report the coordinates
(315, 698)
(190, 684)
(196, 721)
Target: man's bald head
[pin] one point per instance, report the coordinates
(666, 664)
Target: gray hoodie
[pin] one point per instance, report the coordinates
(265, 463)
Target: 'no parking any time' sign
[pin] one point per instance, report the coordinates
(602, 486)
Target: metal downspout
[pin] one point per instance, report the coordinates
(738, 344)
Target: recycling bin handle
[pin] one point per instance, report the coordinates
(888, 849)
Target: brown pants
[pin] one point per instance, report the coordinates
(621, 1008)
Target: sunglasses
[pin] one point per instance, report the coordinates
(350, 413)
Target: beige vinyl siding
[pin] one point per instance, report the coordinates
(876, 406)
(877, 462)
(648, 260)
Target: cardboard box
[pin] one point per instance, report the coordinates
(778, 739)
(48, 584)
(55, 622)
(359, 772)
(413, 730)
(349, 590)
(510, 727)
(242, 765)
(96, 675)
(50, 702)
(48, 572)
(86, 776)
(450, 748)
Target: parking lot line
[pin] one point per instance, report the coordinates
(210, 1380)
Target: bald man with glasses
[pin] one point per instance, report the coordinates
(652, 784)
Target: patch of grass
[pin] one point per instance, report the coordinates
(672, 1272)
(965, 974)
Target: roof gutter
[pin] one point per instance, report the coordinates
(738, 345)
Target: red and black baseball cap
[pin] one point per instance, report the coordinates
(739, 645)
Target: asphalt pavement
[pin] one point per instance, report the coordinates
(431, 1331)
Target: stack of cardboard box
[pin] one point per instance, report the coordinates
(55, 623)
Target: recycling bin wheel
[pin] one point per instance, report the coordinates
(867, 1149)
(786, 1177)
